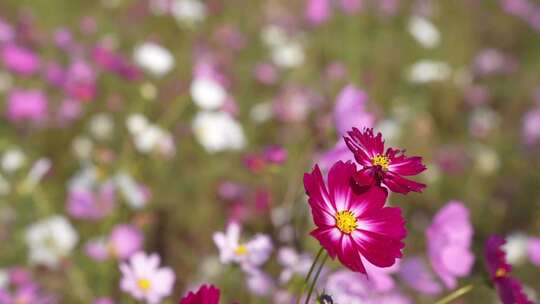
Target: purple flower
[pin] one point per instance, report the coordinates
(531, 126)
(509, 288)
(350, 110)
(28, 105)
(19, 59)
(80, 81)
(6, 31)
(414, 272)
(84, 203)
(275, 154)
(293, 263)
(449, 240)
(144, 280)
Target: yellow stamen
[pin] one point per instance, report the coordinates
(144, 284)
(241, 250)
(346, 221)
(381, 160)
(500, 273)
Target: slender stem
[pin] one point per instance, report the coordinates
(456, 294)
(316, 278)
(306, 280)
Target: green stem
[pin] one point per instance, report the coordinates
(306, 280)
(316, 278)
(456, 294)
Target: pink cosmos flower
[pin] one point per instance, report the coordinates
(249, 255)
(415, 273)
(124, 241)
(350, 110)
(207, 294)
(509, 288)
(449, 240)
(85, 203)
(28, 105)
(19, 59)
(350, 225)
(380, 167)
(144, 280)
(533, 249)
(318, 11)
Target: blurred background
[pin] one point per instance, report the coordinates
(171, 118)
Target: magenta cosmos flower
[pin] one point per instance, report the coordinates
(351, 225)
(509, 289)
(380, 167)
(144, 280)
(207, 294)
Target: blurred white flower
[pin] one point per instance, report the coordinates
(218, 131)
(4, 279)
(101, 126)
(36, 173)
(50, 240)
(425, 71)
(486, 160)
(249, 255)
(82, 147)
(273, 35)
(13, 159)
(424, 32)
(132, 192)
(207, 93)
(516, 248)
(288, 55)
(188, 11)
(153, 58)
(261, 112)
(148, 137)
(293, 263)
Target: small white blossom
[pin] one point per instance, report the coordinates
(13, 159)
(154, 58)
(424, 32)
(207, 93)
(218, 131)
(425, 71)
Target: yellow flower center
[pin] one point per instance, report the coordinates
(381, 160)
(500, 273)
(144, 284)
(241, 250)
(346, 221)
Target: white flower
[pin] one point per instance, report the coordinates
(273, 35)
(249, 255)
(132, 192)
(154, 58)
(188, 11)
(293, 263)
(288, 55)
(207, 93)
(516, 248)
(82, 147)
(148, 137)
(4, 279)
(424, 32)
(36, 173)
(425, 71)
(101, 126)
(13, 159)
(261, 112)
(136, 123)
(50, 240)
(218, 131)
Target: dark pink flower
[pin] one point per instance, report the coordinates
(380, 167)
(509, 288)
(207, 294)
(351, 225)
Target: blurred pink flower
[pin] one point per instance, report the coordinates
(293, 263)
(415, 273)
(350, 110)
(276, 155)
(19, 59)
(259, 283)
(80, 81)
(144, 280)
(351, 6)
(533, 248)
(531, 126)
(124, 241)
(449, 239)
(318, 11)
(248, 255)
(265, 73)
(85, 203)
(28, 105)
(6, 31)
